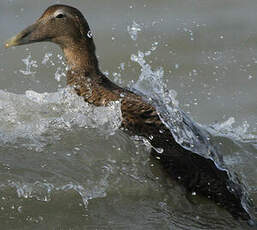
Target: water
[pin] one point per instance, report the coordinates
(65, 164)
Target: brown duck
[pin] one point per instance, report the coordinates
(66, 26)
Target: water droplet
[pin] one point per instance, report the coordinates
(89, 34)
(29, 64)
(133, 30)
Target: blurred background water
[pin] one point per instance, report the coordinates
(65, 165)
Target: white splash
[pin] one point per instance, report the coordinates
(228, 129)
(29, 64)
(186, 132)
(43, 191)
(47, 59)
(133, 30)
(34, 120)
(59, 74)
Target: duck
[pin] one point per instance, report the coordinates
(67, 27)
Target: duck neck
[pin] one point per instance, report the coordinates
(85, 77)
(80, 57)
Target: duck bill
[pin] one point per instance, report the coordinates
(24, 37)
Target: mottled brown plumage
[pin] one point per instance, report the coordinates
(66, 26)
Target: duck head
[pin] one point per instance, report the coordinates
(65, 26)
(60, 24)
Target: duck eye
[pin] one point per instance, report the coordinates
(60, 16)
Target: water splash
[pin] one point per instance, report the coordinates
(228, 129)
(133, 30)
(186, 132)
(29, 64)
(34, 120)
(61, 70)
(59, 74)
(188, 27)
(47, 59)
(42, 191)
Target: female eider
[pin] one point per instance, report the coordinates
(66, 26)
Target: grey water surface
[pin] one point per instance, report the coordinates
(65, 164)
